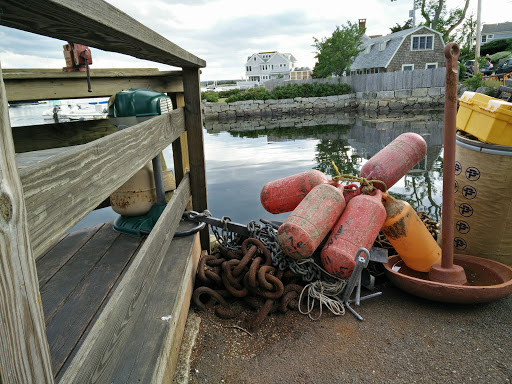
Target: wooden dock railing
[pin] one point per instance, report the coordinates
(41, 201)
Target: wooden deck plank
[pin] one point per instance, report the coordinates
(98, 356)
(56, 291)
(57, 256)
(141, 357)
(69, 323)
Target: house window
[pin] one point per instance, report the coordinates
(407, 67)
(368, 49)
(422, 43)
(487, 38)
(430, 65)
(382, 46)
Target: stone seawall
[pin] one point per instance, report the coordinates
(381, 102)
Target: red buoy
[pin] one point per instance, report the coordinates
(306, 227)
(285, 194)
(393, 161)
(357, 227)
(350, 191)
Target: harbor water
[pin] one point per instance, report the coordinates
(242, 156)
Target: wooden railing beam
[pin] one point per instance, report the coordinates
(24, 352)
(23, 85)
(97, 24)
(61, 190)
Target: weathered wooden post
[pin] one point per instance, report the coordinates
(24, 351)
(194, 127)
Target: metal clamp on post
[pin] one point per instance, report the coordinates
(354, 282)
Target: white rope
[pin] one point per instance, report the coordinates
(326, 294)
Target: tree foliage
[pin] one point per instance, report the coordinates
(437, 17)
(398, 27)
(336, 53)
(464, 36)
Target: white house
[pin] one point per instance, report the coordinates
(265, 66)
(499, 31)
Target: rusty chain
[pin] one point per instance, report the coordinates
(246, 274)
(253, 271)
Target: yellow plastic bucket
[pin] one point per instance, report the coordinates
(483, 203)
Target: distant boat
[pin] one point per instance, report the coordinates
(22, 103)
(90, 111)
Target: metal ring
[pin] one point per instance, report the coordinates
(190, 231)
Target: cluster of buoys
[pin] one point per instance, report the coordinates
(353, 216)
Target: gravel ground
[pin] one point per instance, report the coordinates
(403, 339)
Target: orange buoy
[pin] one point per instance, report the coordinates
(357, 227)
(393, 161)
(409, 236)
(306, 227)
(284, 195)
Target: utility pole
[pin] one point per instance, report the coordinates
(478, 37)
(413, 13)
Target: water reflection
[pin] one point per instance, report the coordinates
(240, 161)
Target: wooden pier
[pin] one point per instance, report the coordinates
(94, 306)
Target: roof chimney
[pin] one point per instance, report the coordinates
(362, 24)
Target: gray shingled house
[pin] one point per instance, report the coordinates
(491, 32)
(415, 48)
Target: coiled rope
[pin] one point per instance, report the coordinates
(327, 293)
(366, 185)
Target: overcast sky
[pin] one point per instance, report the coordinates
(226, 32)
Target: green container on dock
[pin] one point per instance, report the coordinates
(126, 108)
(132, 106)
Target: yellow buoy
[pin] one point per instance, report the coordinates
(138, 194)
(409, 236)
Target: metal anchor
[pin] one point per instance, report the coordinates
(354, 282)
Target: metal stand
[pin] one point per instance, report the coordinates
(159, 180)
(354, 282)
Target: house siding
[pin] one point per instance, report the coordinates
(268, 65)
(404, 55)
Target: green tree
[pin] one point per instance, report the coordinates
(464, 36)
(336, 53)
(398, 27)
(439, 18)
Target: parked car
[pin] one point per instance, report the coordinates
(506, 67)
(469, 65)
(486, 70)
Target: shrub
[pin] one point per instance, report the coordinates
(496, 46)
(229, 92)
(291, 91)
(473, 82)
(462, 71)
(210, 96)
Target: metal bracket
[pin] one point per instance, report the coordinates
(378, 255)
(354, 282)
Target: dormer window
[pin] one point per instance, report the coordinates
(368, 49)
(382, 45)
(422, 43)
